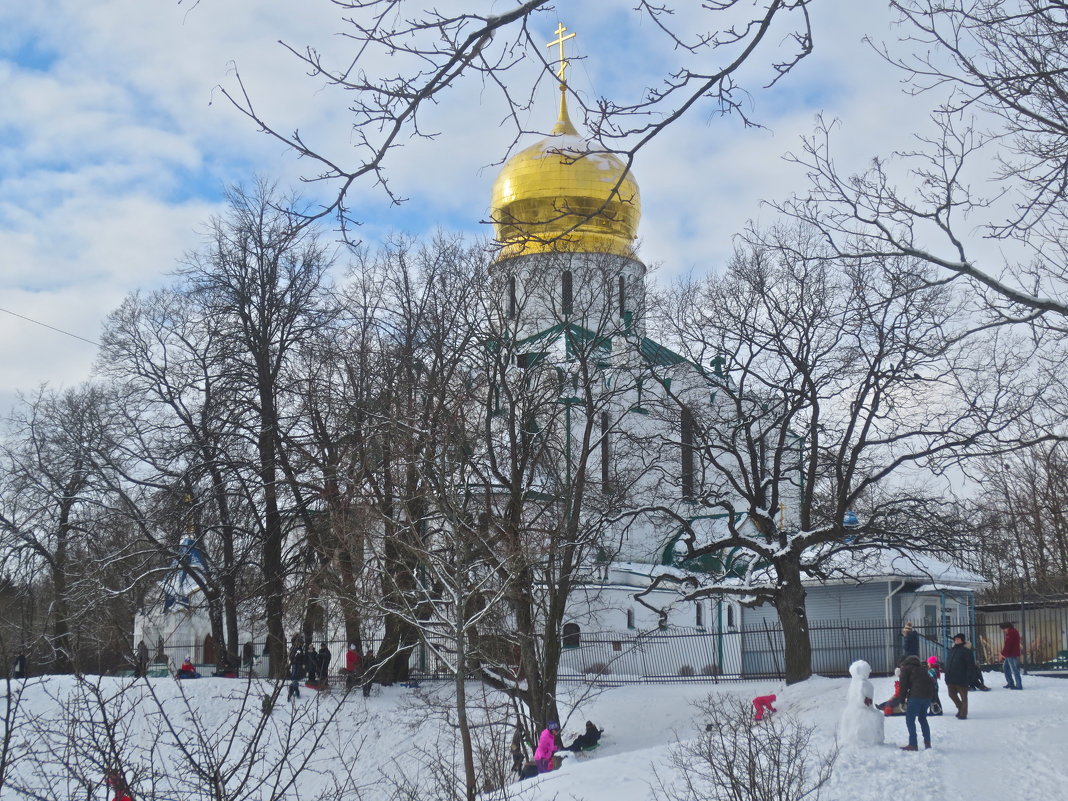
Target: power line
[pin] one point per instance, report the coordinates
(46, 325)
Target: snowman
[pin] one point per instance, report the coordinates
(861, 724)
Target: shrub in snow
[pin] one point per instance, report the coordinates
(735, 758)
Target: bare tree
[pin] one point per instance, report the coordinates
(998, 67)
(734, 760)
(181, 470)
(161, 742)
(836, 387)
(262, 278)
(712, 49)
(54, 518)
(1022, 525)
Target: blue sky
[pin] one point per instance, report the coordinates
(116, 144)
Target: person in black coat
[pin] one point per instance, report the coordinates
(910, 640)
(975, 680)
(587, 739)
(917, 688)
(296, 668)
(960, 663)
(324, 665)
(367, 676)
(311, 662)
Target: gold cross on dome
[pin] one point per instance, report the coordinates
(560, 39)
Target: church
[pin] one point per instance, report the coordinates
(572, 291)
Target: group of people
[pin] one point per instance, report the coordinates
(549, 743)
(313, 667)
(308, 665)
(917, 686)
(360, 670)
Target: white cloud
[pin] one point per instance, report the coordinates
(117, 142)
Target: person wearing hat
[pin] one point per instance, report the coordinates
(187, 670)
(910, 640)
(960, 663)
(1011, 652)
(543, 754)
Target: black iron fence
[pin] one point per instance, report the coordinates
(696, 655)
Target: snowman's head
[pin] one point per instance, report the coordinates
(860, 669)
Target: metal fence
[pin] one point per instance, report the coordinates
(696, 655)
(1043, 625)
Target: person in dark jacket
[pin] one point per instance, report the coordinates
(367, 675)
(910, 640)
(324, 666)
(975, 680)
(1011, 652)
(311, 663)
(960, 663)
(588, 739)
(141, 660)
(296, 668)
(917, 688)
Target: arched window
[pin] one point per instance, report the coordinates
(566, 297)
(730, 616)
(572, 635)
(700, 615)
(622, 296)
(630, 618)
(512, 301)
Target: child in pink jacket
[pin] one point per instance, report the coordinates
(543, 754)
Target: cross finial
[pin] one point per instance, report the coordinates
(560, 39)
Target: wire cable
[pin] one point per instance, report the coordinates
(46, 325)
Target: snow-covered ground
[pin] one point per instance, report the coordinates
(1014, 745)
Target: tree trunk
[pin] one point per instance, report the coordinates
(471, 783)
(790, 604)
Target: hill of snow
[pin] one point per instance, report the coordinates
(176, 739)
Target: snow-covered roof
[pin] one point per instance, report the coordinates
(884, 564)
(843, 568)
(938, 588)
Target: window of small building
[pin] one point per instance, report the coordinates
(686, 454)
(572, 635)
(606, 455)
(699, 616)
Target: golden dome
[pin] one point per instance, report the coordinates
(558, 195)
